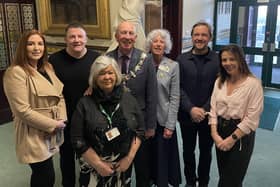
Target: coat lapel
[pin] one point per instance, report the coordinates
(43, 87)
(164, 62)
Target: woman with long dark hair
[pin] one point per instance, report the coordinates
(35, 97)
(236, 106)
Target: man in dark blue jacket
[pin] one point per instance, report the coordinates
(198, 71)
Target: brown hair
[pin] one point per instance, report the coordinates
(202, 23)
(238, 53)
(21, 58)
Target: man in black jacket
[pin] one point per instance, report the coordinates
(198, 71)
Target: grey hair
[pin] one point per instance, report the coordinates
(100, 64)
(133, 24)
(165, 36)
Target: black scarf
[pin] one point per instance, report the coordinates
(108, 101)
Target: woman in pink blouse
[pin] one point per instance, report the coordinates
(236, 106)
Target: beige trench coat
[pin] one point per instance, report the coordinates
(36, 104)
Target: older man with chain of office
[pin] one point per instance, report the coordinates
(140, 78)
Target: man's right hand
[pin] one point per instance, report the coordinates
(197, 114)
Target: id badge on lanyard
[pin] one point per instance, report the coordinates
(112, 133)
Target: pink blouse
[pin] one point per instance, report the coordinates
(245, 103)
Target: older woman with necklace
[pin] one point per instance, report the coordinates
(166, 168)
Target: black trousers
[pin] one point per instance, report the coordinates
(42, 174)
(233, 164)
(166, 162)
(67, 160)
(84, 179)
(142, 164)
(190, 131)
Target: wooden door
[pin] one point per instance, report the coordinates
(172, 21)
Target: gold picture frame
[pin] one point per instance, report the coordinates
(100, 30)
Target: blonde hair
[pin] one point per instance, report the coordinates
(100, 64)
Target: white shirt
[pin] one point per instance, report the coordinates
(245, 103)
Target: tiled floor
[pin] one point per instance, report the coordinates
(263, 170)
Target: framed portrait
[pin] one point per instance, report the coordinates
(55, 15)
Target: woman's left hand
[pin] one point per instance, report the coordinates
(123, 164)
(226, 144)
(61, 124)
(167, 133)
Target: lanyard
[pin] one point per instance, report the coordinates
(108, 117)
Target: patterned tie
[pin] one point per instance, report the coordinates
(124, 64)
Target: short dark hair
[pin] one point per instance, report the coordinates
(74, 25)
(203, 23)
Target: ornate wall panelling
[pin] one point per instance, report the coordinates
(13, 23)
(3, 41)
(28, 16)
(15, 18)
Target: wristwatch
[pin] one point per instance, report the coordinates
(234, 136)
